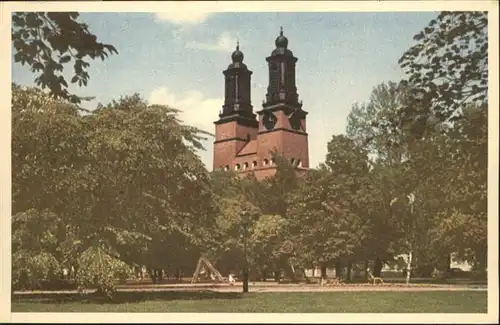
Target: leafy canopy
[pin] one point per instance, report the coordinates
(47, 41)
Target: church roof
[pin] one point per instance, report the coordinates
(249, 148)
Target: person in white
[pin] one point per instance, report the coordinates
(231, 279)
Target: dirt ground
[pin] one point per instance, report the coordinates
(274, 287)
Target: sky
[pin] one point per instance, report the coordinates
(177, 59)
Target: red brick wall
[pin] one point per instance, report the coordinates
(289, 144)
(263, 173)
(224, 152)
(295, 146)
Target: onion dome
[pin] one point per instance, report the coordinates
(281, 46)
(237, 55)
(281, 41)
(237, 58)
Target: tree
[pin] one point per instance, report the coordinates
(463, 224)
(230, 200)
(402, 165)
(270, 244)
(276, 189)
(117, 184)
(46, 41)
(448, 66)
(327, 224)
(48, 146)
(157, 190)
(378, 126)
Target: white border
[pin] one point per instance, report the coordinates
(312, 6)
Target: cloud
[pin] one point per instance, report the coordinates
(186, 16)
(196, 109)
(224, 43)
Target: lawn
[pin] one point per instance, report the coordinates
(270, 302)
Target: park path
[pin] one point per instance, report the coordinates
(274, 287)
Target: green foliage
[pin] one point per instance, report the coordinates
(46, 41)
(123, 185)
(277, 189)
(226, 237)
(465, 235)
(463, 220)
(443, 165)
(329, 221)
(127, 176)
(98, 269)
(270, 246)
(448, 66)
(32, 270)
(270, 243)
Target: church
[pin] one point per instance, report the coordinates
(244, 140)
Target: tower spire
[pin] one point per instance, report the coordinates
(282, 87)
(237, 98)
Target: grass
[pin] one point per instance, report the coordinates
(271, 302)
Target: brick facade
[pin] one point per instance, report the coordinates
(243, 142)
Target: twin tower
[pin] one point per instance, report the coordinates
(245, 141)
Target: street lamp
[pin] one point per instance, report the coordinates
(244, 223)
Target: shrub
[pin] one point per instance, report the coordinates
(31, 271)
(97, 269)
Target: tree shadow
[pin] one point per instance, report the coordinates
(123, 297)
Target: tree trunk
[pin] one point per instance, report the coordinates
(289, 272)
(262, 274)
(75, 271)
(277, 276)
(377, 268)
(323, 272)
(152, 274)
(408, 268)
(313, 270)
(305, 276)
(365, 267)
(338, 270)
(160, 275)
(349, 271)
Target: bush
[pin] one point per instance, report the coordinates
(458, 273)
(31, 271)
(479, 275)
(97, 269)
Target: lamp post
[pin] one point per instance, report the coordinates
(244, 222)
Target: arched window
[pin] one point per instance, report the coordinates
(272, 161)
(226, 168)
(237, 167)
(265, 162)
(254, 164)
(245, 165)
(292, 161)
(299, 163)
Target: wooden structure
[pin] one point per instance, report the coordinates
(375, 278)
(204, 262)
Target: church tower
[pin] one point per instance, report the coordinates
(237, 124)
(246, 144)
(282, 122)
